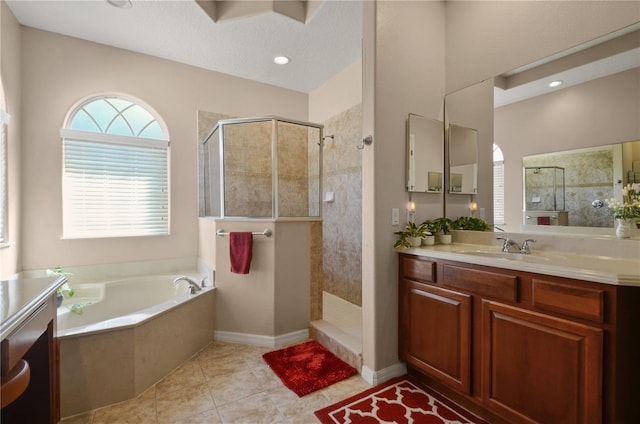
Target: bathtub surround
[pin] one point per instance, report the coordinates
(115, 365)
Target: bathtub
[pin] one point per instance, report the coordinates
(131, 333)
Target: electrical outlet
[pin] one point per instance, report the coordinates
(395, 216)
(482, 214)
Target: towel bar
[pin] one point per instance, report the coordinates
(267, 232)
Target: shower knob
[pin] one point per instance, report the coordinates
(597, 203)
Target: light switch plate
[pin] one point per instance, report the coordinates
(395, 216)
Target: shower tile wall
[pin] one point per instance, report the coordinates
(598, 165)
(342, 219)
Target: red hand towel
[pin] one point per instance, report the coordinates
(544, 220)
(240, 245)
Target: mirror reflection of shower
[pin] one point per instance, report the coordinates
(264, 167)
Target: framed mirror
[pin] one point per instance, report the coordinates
(425, 154)
(463, 159)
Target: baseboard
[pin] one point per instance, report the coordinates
(377, 377)
(259, 340)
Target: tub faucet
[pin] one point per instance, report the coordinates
(193, 286)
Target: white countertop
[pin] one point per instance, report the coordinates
(21, 297)
(599, 269)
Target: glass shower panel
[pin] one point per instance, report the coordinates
(210, 183)
(298, 170)
(248, 169)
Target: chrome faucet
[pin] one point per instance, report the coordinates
(508, 244)
(193, 286)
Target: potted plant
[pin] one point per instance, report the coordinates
(429, 239)
(443, 227)
(65, 289)
(411, 236)
(471, 223)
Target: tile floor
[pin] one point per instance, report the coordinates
(223, 383)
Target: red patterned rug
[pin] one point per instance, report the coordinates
(399, 401)
(307, 367)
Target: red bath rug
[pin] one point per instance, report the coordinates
(307, 367)
(397, 401)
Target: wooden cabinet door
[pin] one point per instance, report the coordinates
(540, 369)
(435, 332)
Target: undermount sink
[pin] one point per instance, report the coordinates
(507, 256)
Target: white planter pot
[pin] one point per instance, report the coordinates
(429, 240)
(444, 238)
(414, 241)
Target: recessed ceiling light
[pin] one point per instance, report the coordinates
(281, 60)
(121, 4)
(555, 83)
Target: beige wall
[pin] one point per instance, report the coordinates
(10, 53)
(483, 39)
(488, 38)
(403, 65)
(578, 125)
(58, 71)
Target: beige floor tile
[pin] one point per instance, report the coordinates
(223, 384)
(305, 418)
(233, 386)
(267, 377)
(345, 388)
(222, 365)
(179, 404)
(216, 350)
(207, 417)
(78, 419)
(256, 409)
(141, 410)
(290, 405)
(187, 375)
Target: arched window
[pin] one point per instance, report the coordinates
(115, 170)
(498, 186)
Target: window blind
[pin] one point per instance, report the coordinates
(498, 193)
(114, 189)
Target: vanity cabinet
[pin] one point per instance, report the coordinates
(29, 366)
(519, 347)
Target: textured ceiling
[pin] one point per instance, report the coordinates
(181, 30)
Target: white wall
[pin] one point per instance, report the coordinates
(340, 93)
(57, 72)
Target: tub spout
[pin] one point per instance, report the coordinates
(193, 286)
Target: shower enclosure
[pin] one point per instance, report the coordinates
(263, 175)
(263, 167)
(544, 188)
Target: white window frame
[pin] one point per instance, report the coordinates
(109, 219)
(4, 123)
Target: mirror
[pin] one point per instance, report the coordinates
(597, 110)
(577, 182)
(425, 154)
(463, 160)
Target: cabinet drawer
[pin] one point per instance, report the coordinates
(580, 302)
(418, 269)
(485, 283)
(22, 338)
